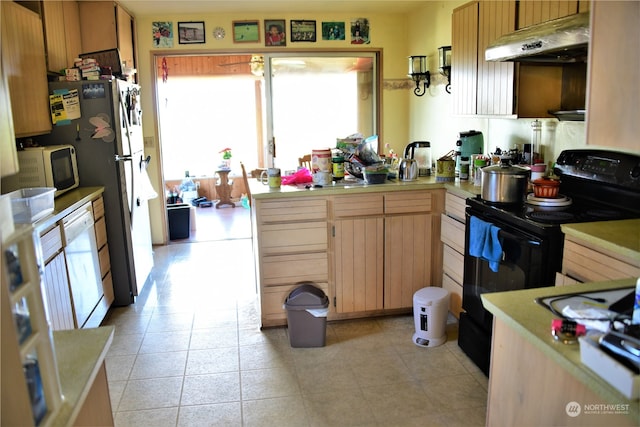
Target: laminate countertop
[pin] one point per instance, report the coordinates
(519, 311)
(262, 191)
(621, 237)
(79, 356)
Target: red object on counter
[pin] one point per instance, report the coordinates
(548, 188)
(567, 328)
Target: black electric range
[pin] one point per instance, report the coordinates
(596, 185)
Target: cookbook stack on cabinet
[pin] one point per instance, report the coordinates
(31, 392)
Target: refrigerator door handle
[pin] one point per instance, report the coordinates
(130, 157)
(120, 158)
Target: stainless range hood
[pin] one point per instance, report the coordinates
(562, 40)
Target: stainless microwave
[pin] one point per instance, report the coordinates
(51, 166)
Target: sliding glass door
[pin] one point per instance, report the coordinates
(312, 100)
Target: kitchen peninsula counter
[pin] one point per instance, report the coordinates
(316, 235)
(533, 377)
(262, 191)
(80, 357)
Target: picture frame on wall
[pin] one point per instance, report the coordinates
(274, 32)
(162, 32)
(333, 30)
(303, 31)
(191, 32)
(246, 31)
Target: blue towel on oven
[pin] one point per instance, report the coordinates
(484, 242)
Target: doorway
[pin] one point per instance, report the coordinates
(209, 104)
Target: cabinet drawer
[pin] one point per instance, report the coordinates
(105, 260)
(51, 242)
(273, 299)
(293, 238)
(407, 202)
(101, 232)
(98, 208)
(588, 265)
(452, 263)
(358, 205)
(283, 269)
(293, 210)
(452, 233)
(454, 206)
(107, 288)
(455, 294)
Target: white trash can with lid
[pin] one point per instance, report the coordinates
(430, 310)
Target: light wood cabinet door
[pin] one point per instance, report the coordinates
(407, 261)
(106, 25)
(495, 79)
(482, 88)
(531, 12)
(612, 101)
(24, 65)
(54, 29)
(464, 63)
(358, 264)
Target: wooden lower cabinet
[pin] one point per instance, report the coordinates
(407, 266)
(291, 247)
(358, 264)
(453, 248)
(384, 249)
(584, 262)
(369, 252)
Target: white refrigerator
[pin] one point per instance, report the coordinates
(109, 145)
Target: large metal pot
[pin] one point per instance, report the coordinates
(504, 183)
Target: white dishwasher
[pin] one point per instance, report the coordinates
(81, 251)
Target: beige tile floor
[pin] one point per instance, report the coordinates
(190, 353)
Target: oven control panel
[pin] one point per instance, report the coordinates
(600, 166)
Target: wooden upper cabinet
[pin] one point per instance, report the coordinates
(504, 88)
(495, 79)
(481, 87)
(533, 12)
(105, 25)
(24, 66)
(464, 60)
(62, 33)
(614, 72)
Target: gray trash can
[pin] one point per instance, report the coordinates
(307, 308)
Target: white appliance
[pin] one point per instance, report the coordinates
(52, 166)
(110, 153)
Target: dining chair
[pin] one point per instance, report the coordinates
(305, 161)
(246, 182)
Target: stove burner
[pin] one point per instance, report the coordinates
(551, 216)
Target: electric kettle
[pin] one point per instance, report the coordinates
(420, 151)
(408, 170)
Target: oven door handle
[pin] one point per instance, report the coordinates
(510, 236)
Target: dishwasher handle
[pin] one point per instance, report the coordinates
(76, 225)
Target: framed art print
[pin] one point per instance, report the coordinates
(162, 34)
(246, 31)
(191, 32)
(333, 31)
(274, 34)
(303, 31)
